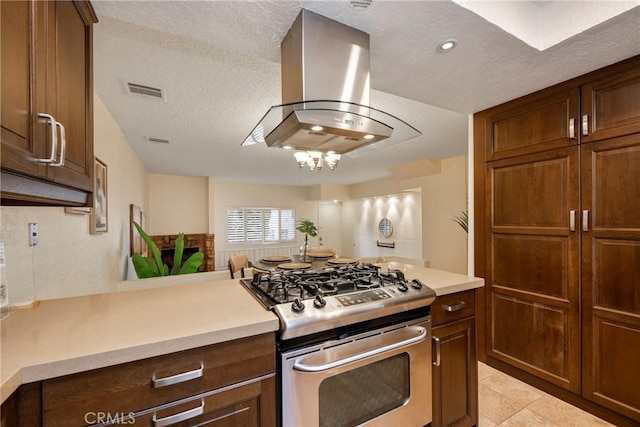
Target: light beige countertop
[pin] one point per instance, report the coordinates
(70, 335)
(443, 282)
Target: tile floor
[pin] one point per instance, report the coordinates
(508, 402)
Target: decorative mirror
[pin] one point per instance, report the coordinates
(385, 227)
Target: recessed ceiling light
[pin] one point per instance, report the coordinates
(368, 137)
(287, 147)
(446, 45)
(316, 128)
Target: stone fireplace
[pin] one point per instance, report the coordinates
(192, 243)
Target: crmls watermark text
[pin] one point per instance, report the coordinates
(108, 417)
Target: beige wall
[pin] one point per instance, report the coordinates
(178, 204)
(444, 242)
(68, 260)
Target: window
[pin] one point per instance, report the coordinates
(261, 225)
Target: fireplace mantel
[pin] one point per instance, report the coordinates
(202, 242)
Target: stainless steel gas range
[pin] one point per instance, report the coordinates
(354, 345)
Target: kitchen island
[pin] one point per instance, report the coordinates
(69, 336)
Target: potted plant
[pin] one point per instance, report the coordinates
(309, 229)
(146, 267)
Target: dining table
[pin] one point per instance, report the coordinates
(295, 262)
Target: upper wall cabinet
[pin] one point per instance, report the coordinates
(533, 124)
(611, 106)
(592, 108)
(47, 102)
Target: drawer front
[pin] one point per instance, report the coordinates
(139, 385)
(236, 407)
(449, 308)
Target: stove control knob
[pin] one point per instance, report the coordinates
(416, 284)
(402, 287)
(319, 302)
(297, 305)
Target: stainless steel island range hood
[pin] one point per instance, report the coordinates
(325, 93)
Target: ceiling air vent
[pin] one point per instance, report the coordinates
(351, 138)
(316, 133)
(146, 91)
(160, 140)
(360, 4)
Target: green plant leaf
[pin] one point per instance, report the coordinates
(154, 249)
(192, 263)
(177, 255)
(307, 227)
(144, 266)
(463, 220)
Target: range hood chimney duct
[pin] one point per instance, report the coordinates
(325, 93)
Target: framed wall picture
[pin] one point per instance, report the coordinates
(138, 246)
(99, 217)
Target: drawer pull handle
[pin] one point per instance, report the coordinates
(437, 361)
(178, 378)
(182, 416)
(456, 307)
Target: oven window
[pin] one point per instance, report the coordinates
(359, 395)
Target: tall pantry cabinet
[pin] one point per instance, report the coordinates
(558, 237)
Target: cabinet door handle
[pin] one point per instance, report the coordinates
(54, 138)
(572, 128)
(457, 307)
(585, 125)
(572, 220)
(182, 416)
(178, 378)
(585, 220)
(63, 145)
(437, 361)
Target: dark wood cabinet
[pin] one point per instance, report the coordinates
(455, 366)
(47, 102)
(533, 124)
(225, 384)
(23, 408)
(611, 273)
(249, 405)
(558, 234)
(610, 104)
(533, 253)
(22, 136)
(237, 374)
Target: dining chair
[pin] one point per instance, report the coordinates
(237, 263)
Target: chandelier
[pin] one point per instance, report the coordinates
(314, 160)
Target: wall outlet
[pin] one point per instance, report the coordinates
(33, 234)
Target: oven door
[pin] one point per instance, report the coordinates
(378, 380)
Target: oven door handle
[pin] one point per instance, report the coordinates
(337, 356)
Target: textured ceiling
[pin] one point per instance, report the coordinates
(218, 62)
